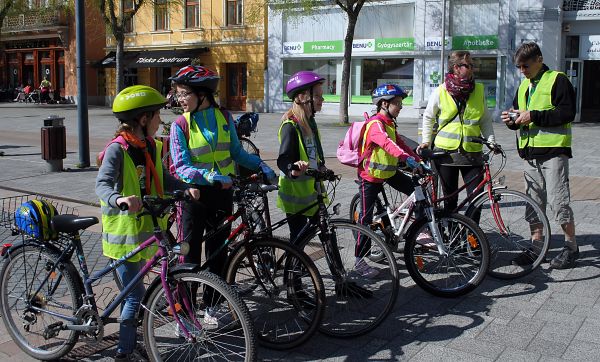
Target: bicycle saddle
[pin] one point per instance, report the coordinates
(72, 223)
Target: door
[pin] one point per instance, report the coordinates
(236, 86)
(574, 70)
(590, 89)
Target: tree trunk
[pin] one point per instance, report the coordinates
(344, 91)
(119, 64)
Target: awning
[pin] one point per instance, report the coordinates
(153, 58)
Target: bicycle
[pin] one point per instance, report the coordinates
(355, 305)
(515, 225)
(47, 306)
(278, 282)
(245, 125)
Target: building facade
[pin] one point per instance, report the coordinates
(39, 43)
(400, 41)
(218, 34)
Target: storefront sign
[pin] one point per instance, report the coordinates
(293, 47)
(435, 43)
(331, 46)
(475, 42)
(363, 45)
(149, 61)
(394, 44)
(590, 47)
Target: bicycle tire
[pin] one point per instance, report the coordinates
(355, 305)
(162, 337)
(249, 146)
(466, 244)
(64, 297)
(516, 210)
(378, 227)
(284, 317)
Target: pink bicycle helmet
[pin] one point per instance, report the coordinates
(302, 81)
(387, 92)
(196, 76)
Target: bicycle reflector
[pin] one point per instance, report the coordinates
(33, 218)
(5, 249)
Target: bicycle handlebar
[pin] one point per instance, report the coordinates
(322, 175)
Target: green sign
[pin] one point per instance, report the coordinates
(475, 42)
(331, 46)
(394, 44)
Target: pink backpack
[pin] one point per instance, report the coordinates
(348, 151)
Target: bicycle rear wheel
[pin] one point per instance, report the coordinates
(455, 274)
(382, 228)
(514, 250)
(26, 316)
(232, 339)
(282, 289)
(356, 302)
(248, 146)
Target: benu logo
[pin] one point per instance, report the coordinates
(133, 95)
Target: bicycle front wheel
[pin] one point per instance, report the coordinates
(27, 299)
(227, 337)
(457, 273)
(360, 292)
(282, 289)
(248, 146)
(517, 229)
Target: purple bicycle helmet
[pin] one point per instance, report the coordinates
(302, 81)
(196, 76)
(387, 92)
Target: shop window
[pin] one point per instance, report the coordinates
(192, 13)
(327, 24)
(325, 68)
(131, 77)
(474, 17)
(398, 20)
(367, 74)
(161, 15)
(128, 9)
(234, 12)
(485, 72)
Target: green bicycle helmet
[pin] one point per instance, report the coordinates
(133, 101)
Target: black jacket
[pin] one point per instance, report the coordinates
(289, 149)
(563, 99)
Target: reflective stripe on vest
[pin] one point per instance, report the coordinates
(297, 193)
(121, 231)
(381, 164)
(452, 130)
(541, 100)
(202, 153)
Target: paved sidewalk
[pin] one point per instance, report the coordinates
(548, 315)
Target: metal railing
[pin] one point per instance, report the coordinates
(34, 20)
(575, 5)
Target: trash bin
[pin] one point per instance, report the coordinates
(54, 142)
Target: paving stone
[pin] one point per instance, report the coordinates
(512, 354)
(582, 350)
(589, 331)
(437, 353)
(477, 347)
(548, 348)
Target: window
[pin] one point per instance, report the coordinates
(367, 74)
(485, 71)
(325, 68)
(572, 46)
(474, 17)
(128, 9)
(192, 13)
(234, 12)
(398, 19)
(161, 15)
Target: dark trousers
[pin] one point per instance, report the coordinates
(368, 195)
(449, 180)
(297, 222)
(196, 218)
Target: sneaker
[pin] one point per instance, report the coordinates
(525, 258)
(566, 259)
(134, 356)
(376, 255)
(424, 238)
(218, 316)
(365, 270)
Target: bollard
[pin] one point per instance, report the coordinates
(54, 142)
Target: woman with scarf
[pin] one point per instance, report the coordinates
(458, 107)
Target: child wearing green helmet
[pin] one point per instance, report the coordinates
(131, 167)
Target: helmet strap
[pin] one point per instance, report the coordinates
(200, 101)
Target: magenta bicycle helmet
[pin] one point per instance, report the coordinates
(387, 92)
(196, 76)
(302, 81)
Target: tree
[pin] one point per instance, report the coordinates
(352, 9)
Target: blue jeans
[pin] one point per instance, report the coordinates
(129, 308)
